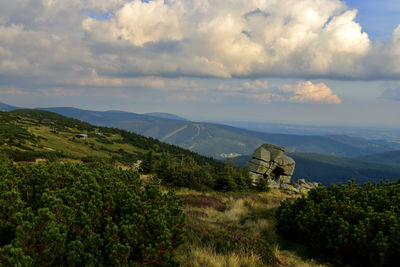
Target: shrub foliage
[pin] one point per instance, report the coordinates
(349, 224)
(187, 172)
(84, 214)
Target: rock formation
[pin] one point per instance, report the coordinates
(270, 163)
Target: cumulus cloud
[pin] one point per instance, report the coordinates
(300, 92)
(139, 23)
(130, 43)
(240, 38)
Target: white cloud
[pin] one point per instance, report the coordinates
(307, 92)
(300, 92)
(140, 22)
(136, 43)
(241, 38)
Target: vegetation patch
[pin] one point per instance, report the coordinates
(348, 224)
(240, 234)
(85, 215)
(203, 201)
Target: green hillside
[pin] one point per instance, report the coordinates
(36, 136)
(164, 115)
(5, 107)
(332, 170)
(385, 157)
(35, 133)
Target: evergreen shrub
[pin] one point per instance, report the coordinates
(85, 215)
(348, 224)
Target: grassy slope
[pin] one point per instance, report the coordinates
(43, 131)
(65, 141)
(214, 219)
(50, 139)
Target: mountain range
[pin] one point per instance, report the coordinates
(329, 170)
(213, 140)
(218, 140)
(327, 158)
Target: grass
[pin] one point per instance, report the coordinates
(61, 140)
(236, 229)
(65, 141)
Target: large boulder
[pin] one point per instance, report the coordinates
(269, 162)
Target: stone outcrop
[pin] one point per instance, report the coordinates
(269, 163)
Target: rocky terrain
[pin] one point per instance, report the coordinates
(270, 165)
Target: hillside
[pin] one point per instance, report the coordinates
(386, 157)
(164, 115)
(215, 139)
(332, 170)
(5, 107)
(28, 134)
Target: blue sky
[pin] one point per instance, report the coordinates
(297, 61)
(378, 18)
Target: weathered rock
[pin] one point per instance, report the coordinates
(269, 162)
(258, 166)
(262, 154)
(301, 181)
(289, 187)
(255, 177)
(273, 184)
(303, 186)
(306, 186)
(284, 179)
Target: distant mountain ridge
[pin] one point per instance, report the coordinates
(164, 115)
(217, 140)
(6, 107)
(332, 170)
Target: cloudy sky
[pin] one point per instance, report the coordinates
(296, 61)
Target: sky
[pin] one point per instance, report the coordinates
(322, 62)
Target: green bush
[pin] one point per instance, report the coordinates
(348, 224)
(85, 215)
(185, 171)
(31, 155)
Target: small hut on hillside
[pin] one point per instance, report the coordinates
(82, 136)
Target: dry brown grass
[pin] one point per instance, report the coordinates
(251, 214)
(200, 256)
